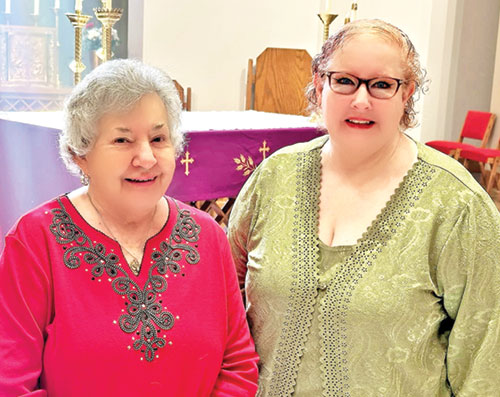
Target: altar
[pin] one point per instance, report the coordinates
(222, 150)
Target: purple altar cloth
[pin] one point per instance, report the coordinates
(223, 160)
(219, 162)
(31, 170)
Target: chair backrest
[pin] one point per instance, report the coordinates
(478, 125)
(279, 80)
(185, 97)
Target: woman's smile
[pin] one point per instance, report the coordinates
(359, 123)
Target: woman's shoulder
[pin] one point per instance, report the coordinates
(36, 218)
(283, 159)
(448, 169)
(300, 148)
(453, 183)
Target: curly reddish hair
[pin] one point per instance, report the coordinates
(413, 72)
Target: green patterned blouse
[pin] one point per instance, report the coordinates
(412, 310)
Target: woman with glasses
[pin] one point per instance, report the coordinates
(370, 261)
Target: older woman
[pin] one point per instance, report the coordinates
(371, 262)
(115, 289)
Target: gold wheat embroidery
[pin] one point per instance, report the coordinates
(247, 165)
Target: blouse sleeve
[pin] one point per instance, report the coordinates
(239, 374)
(240, 225)
(25, 301)
(469, 278)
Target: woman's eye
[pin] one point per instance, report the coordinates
(345, 81)
(381, 85)
(120, 140)
(159, 139)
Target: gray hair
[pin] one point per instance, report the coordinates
(114, 86)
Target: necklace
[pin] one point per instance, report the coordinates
(135, 265)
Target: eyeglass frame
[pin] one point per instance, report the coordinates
(361, 81)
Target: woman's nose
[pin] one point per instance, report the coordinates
(362, 98)
(144, 156)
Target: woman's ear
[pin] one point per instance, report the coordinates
(408, 91)
(81, 161)
(318, 85)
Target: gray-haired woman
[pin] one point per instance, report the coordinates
(115, 289)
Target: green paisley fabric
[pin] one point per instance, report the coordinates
(412, 310)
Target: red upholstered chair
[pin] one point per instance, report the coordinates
(477, 125)
(483, 156)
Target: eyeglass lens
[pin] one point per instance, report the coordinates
(380, 87)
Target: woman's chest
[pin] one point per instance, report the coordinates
(345, 213)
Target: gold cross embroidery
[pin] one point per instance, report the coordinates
(264, 149)
(187, 160)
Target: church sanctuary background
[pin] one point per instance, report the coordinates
(206, 47)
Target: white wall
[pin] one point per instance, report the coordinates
(206, 45)
(440, 65)
(475, 60)
(495, 95)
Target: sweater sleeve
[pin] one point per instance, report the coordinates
(25, 299)
(240, 225)
(239, 374)
(469, 277)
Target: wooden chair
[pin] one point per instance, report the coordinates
(483, 156)
(218, 209)
(185, 97)
(279, 80)
(477, 126)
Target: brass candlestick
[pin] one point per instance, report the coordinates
(78, 21)
(354, 11)
(108, 17)
(57, 44)
(327, 19)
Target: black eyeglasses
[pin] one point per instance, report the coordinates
(378, 87)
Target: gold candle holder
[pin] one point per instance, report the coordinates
(57, 44)
(327, 19)
(78, 21)
(354, 11)
(108, 17)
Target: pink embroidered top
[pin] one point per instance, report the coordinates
(76, 321)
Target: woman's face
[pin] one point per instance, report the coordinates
(360, 120)
(132, 161)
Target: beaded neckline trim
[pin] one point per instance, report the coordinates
(144, 314)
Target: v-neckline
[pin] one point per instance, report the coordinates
(374, 222)
(142, 262)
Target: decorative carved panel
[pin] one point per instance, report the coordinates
(29, 69)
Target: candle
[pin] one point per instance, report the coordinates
(329, 7)
(57, 4)
(7, 6)
(354, 11)
(108, 4)
(347, 18)
(36, 7)
(78, 5)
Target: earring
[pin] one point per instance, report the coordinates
(84, 178)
